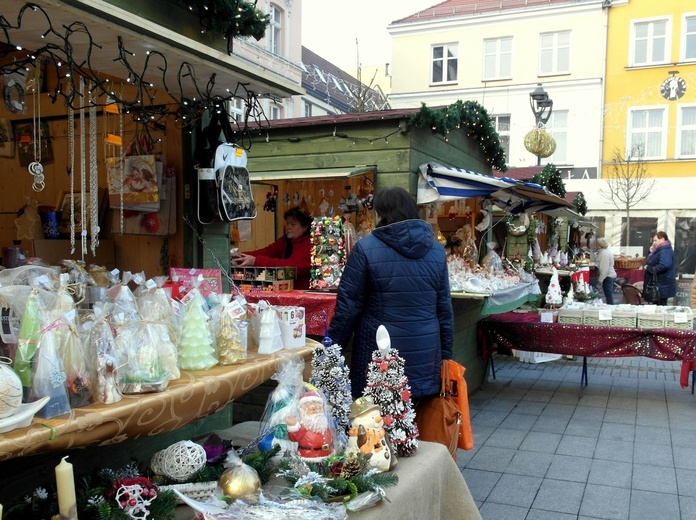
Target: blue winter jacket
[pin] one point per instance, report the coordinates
(397, 277)
(661, 262)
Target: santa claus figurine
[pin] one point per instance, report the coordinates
(312, 432)
(367, 434)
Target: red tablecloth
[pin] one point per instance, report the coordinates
(314, 304)
(632, 275)
(524, 332)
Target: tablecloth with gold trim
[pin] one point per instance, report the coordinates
(193, 396)
(516, 331)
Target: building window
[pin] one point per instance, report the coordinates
(307, 109)
(554, 53)
(646, 137)
(649, 42)
(497, 59)
(557, 127)
(444, 65)
(236, 109)
(274, 31)
(502, 126)
(686, 130)
(688, 52)
(275, 112)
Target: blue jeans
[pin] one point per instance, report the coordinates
(608, 288)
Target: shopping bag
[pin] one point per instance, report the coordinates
(438, 418)
(651, 292)
(461, 397)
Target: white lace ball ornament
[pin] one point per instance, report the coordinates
(156, 462)
(10, 391)
(183, 460)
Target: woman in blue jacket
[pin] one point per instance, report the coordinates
(396, 277)
(661, 263)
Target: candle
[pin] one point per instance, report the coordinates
(65, 482)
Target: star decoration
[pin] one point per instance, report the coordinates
(405, 395)
(28, 223)
(384, 366)
(388, 420)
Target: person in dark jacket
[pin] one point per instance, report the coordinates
(291, 250)
(397, 277)
(660, 262)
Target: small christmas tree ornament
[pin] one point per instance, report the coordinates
(554, 296)
(387, 385)
(196, 339)
(331, 375)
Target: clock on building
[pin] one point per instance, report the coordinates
(673, 88)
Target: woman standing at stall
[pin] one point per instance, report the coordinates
(291, 250)
(397, 277)
(606, 275)
(660, 263)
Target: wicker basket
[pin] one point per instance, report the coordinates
(570, 316)
(624, 318)
(629, 263)
(591, 317)
(651, 320)
(685, 313)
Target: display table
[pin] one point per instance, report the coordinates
(314, 303)
(431, 486)
(187, 399)
(523, 331)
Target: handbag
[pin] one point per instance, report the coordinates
(438, 418)
(651, 292)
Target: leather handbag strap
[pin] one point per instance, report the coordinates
(445, 383)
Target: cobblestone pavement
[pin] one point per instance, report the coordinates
(623, 447)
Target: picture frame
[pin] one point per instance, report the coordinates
(63, 205)
(7, 145)
(24, 137)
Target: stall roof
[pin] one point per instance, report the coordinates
(437, 183)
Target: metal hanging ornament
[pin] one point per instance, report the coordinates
(36, 168)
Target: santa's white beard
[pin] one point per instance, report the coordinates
(316, 422)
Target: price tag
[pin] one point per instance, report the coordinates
(680, 317)
(604, 315)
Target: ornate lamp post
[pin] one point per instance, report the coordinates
(538, 141)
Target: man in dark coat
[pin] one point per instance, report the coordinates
(397, 277)
(661, 263)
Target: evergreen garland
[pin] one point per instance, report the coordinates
(580, 203)
(230, 18)
(551, 178)
(388, 386)
(473, 118)
(331, 375)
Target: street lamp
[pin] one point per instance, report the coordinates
(541, 106)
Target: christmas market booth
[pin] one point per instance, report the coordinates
(126, 343)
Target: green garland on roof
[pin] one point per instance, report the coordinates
(551, 178)
(230, 18)
(580, 203)
(470, 116)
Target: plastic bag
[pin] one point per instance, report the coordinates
(196, 351)
(265, 326)
(49, 377)
(230, 335)
(290, 384)
(492, 261)
(102, 347)
(239, 480)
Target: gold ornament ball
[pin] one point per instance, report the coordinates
(441, 239)
(239, 481)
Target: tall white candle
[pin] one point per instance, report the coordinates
(65, 482)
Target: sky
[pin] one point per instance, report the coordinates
(330, 27)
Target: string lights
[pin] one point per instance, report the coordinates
(59, 59)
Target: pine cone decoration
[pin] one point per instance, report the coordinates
(351, 468)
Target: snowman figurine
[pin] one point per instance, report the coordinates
(367, 435)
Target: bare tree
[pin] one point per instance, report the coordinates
(365, 95)
(628, 183)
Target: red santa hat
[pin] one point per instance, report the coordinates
(311, 396)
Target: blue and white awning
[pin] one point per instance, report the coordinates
(437, 183)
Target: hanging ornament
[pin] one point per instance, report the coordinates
(36, 168)
(150, 222)
(539, 142)
(93, 174)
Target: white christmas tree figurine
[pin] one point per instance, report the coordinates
(554, 296)
(197, 350)
(388, 386)
(330, 374)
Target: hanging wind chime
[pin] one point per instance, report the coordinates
(35, 167)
